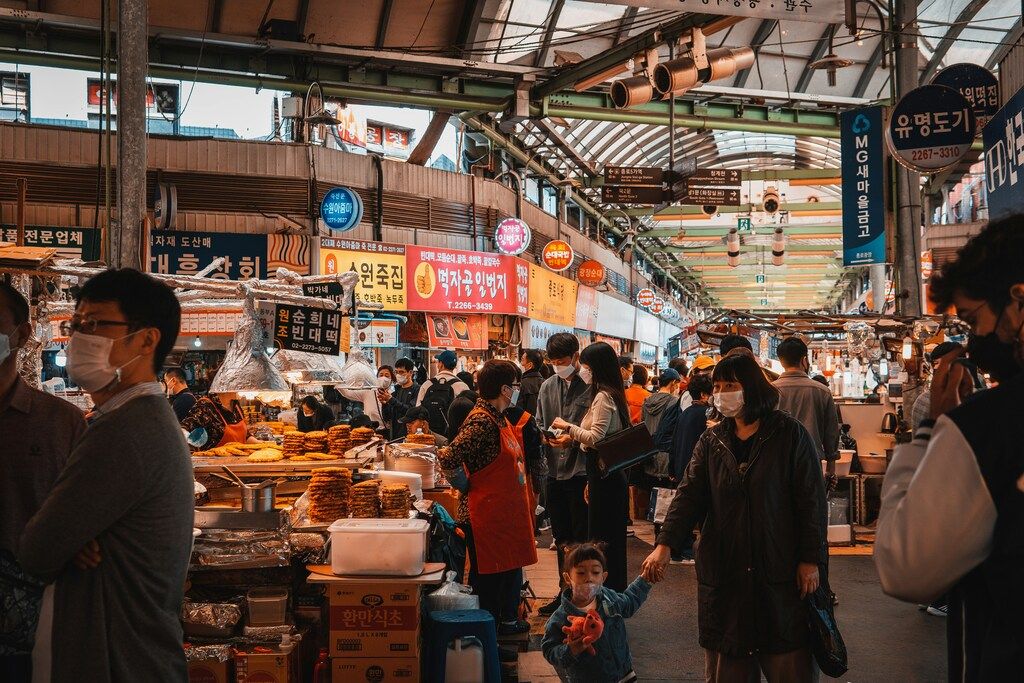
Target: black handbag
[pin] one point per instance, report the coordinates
(826, 641)
(624, 449)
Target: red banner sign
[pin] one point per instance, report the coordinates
(443, 280)
(468, 332)
(591, 273)
(557, 255)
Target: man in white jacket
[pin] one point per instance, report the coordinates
(952, 517)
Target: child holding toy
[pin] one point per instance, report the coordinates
(585, 639)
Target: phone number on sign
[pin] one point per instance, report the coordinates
(950, 152)
(470, 306)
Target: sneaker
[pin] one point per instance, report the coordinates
(512, 628)
(549, 609)
(938, 610)
(629, 532)
(682, 559)
(553, 546)
(545, 525)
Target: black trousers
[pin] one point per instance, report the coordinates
(499, 593)
(609, 510)
(567, 510)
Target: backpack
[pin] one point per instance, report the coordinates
(437, 400)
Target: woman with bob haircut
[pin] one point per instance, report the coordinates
(609, 496)
(755, 485)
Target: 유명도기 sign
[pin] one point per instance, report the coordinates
(931, 129)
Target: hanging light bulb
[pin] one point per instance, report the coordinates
(908, 348)
(61, 359)
(197, 343)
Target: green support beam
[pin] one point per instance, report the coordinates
(712, 231)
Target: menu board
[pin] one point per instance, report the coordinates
(444, 280)
(552, 297)
(307, 329)
(381, 268)
(457, 331)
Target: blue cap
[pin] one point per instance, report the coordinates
(447, 359)
(670, 374)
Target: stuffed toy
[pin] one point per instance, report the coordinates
(590, 627)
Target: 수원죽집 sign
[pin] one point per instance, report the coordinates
(863, 188)
(1003, 138)
(381, 267)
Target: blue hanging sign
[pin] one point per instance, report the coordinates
(1003, 138)
(931, 129)
(863, 188)
(978, 86)
(341, 209)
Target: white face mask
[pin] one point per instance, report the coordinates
(585, 592)
(729, 403)
(564, 371)
(515, 396)
(384, 382)
(5, 347)
(586, 375)
(89, 361)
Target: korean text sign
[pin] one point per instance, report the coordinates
(863, 186)
(83, 243)
(381, 268)
(1004, 158)
(552, 297)
(307, 329)
(930, 129)
(246, 256)
(443, 280)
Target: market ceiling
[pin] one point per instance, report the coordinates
(775, 121)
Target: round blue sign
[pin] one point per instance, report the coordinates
(341, 209)
(931, 129)
(977, 85)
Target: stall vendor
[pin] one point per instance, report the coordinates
(313, 416)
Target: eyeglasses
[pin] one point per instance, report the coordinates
(88, 326)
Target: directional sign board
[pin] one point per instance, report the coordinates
(708, 196)
(715, 177)
(632, 194)
(633, 175)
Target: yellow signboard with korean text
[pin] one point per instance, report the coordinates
(552, 297)
(381, 268)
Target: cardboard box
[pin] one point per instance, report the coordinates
(209, 671)
(379, 619)
(266, 665)
(375, 670)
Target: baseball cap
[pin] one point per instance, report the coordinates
(703, 363)
(447, 358)
(667, 376)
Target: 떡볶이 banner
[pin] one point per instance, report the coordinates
(442, 280)
(246, 256)
(381, 268)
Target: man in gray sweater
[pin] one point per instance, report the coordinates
(114, 535)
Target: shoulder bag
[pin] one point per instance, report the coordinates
(624, 448)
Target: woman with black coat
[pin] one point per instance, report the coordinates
(609, 496)
(756, 481)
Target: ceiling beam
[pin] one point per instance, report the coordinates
(869, 70)
(567, 148)
(554, 14)
(1009, 42)
(764, 31)
(624, 24)
(817, 53)
(472, 13)
(952, 33)
(420, 154)
(218, 13)
(382, 23)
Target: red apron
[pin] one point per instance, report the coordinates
(237, 432)
(518, 427)
(499, 507)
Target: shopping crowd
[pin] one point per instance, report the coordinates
(97, 511)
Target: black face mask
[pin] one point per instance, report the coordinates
(993, 355)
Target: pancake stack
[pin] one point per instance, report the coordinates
(395, 501)
(361, 435)
(294, 444)
(329, 490)
(339, 439)
(420, 439)
(365, 500)
(316, 442)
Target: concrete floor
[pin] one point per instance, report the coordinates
(887, 640)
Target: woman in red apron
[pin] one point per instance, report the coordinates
(223, 425)
(497, 506)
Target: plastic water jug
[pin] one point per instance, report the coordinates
(465, 661)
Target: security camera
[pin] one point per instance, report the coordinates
(770, 202)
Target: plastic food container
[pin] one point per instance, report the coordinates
(873, 463)
(842, 464)
(378, 547)
(267, 606)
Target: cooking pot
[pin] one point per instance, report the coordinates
(259, 498)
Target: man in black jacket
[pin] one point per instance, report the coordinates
(532, 361)
(395, 406)
(952, 516)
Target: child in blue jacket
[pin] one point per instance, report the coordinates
(585, 575)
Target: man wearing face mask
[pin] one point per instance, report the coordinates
(497, 511)
(39, 430)
(395, 406)
(952, 516)
(115, 533)
(567, 396)
(178, 394)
